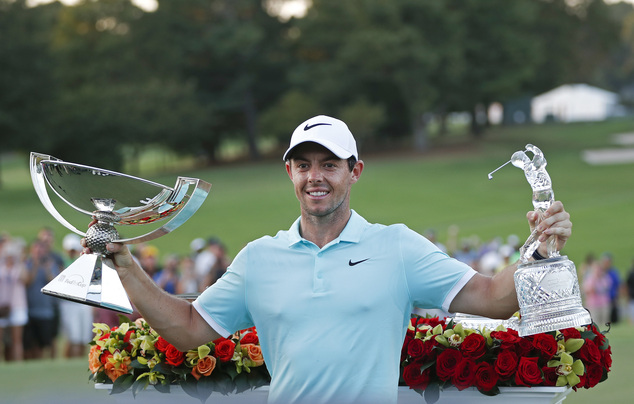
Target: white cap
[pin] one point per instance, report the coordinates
(329, 132)
(71, 242)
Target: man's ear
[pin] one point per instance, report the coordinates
(357, 170)
(288, 169)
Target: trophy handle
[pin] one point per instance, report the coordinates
(39, 183)
(196, 199)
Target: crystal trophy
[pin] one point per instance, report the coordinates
(111, 198)
(547, 290)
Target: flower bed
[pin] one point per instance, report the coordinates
(436, 354)
(133, 356)
(439, 353)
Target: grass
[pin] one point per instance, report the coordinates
(438, 189)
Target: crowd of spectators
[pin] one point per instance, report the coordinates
(31, 322)
(33, 325)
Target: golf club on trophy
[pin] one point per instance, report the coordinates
(112, 199)
(547, 289)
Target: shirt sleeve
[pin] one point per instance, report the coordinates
(223, 304)
(433, 278)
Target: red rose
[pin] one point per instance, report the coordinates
(173, 356)
(590, 353)
(485, 376)
(594, 373)
(571, 333)
(606, 358)
(161, 345)
(546, 344)
(473, 346)
(414, 378)
(508, 338)
(224, 350)
(447, 362)
(550, 376)
(464, 374)
(506, 364)
(432, 322)
(250, 338)
(104, 357)
(415, 348)
(528, 372)
(524, 347)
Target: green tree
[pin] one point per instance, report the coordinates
(26, 84)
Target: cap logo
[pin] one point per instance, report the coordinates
(307, 127)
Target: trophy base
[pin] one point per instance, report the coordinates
(547, 322)
(549, 296)
(91, 280)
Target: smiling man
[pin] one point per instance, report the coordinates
(331, 297)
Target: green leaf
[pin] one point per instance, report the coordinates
(163, 387)
(432, 393)
(122, 383)
(139, 385)
(138, 365)
(206, 386)
(223, 385)
(242, 384)
(190, 386)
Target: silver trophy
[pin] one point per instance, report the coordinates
(112, 199)
(548, 289)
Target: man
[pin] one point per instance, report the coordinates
(332, 296)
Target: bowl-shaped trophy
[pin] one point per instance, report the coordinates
(547, 289)
(112, 199)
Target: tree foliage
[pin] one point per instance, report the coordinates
(100, 79)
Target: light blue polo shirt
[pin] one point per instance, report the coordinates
(332, 321)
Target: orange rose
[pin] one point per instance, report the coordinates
(255, 354)
(114, 370)
(204, 367)
(93, 358)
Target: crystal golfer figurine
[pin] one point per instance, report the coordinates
(112, 199)
(547, 289)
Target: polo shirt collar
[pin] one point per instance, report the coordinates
(351, 233)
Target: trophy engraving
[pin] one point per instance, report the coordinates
(547, 290)
(111, 198)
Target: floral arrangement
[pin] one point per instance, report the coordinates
(133, 356)
(438, 353)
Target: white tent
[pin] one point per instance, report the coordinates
(575, 102)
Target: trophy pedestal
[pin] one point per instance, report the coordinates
(91, 280)
(549, 297)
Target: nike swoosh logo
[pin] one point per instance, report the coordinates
(307, 127)
(356, 262)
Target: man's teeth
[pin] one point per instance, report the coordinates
(320, 193)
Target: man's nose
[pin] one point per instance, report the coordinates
(315, 174)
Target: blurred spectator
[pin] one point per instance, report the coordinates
(76, 319)
(431, 235)
(13, 305)
(596, 288)
(211, 263)
(149, 258)
(188, 283)
(630, 293)
(41, 329)
(168, 278)
(220, 263)
(467, 253)
(615, 286)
